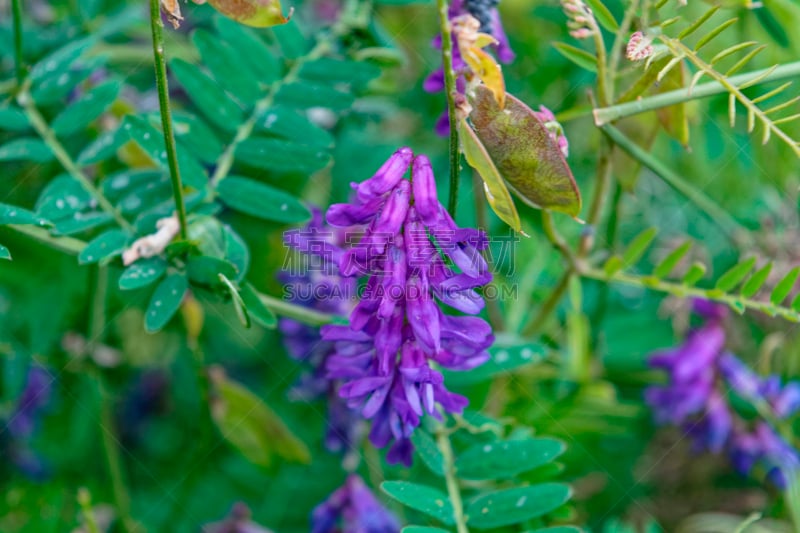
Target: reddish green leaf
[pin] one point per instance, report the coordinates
(525, 154)
(257, 13)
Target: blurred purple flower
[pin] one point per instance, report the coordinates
(352, 508)
(238, 521)
(318, 285)
(410, 249)
(695, 398)
(486, 13)
(21, 423)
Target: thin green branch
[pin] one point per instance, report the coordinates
(603, 82)
(157, 29)
(49, 137)
(451, 92)
(85, 503)
(697, 197)
(16, 15)
(301, 314)
(453, 491)
(63, 244)
(604, 115)
(737, 302)
(534, 325)
(619, 40)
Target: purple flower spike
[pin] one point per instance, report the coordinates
(383, 359)
(696, 398)
(352, 508)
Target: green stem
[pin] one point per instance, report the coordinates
(619, 40)
(704, 203)
(16, 13)
(453, 492)
(534, 325)
(301, 314)
(603, 82)
(548, 224)
(157, 29)
(62, 244)
(49, 137)
(107, 426)
(451, 92)
(605, 115)
(603, 177)
(85, 502)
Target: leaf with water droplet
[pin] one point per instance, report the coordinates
(506, 459)
(142, 273)
(165, 302)
(512, 506)
(11, 214)
(422, 498)
(256, 13)
(4, 253)
(104, 246)
(261, 200)
(524, 153)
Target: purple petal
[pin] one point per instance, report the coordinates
(386, 177)
(424, 183)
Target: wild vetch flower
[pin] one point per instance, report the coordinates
(639, 47)
(22, 422)
(696, 398)
(554, 128)
(352, 508)
(415, 258)
(238, 521)
(317, 284)
(487, 15)
(581, 23)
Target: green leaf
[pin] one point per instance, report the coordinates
(796, 302)
(256, 13)
(603, 15)
(512, 506)
(4, 253)
(694, 274)
(304, 95)
(638, 246)
(104, 246)
(735, 275)
(26, 149)
(207, 95)
(329, 70)
(196, 136)
(90, 106)
(422, 498)
(205, 270)
(262, 63)
(13, 119)
(292, 42)
(250, 426)
(236, 252)
(422, 529)
(582, 58)
(81, 222)
(558, 529)
(784, 286)
(258, 311)
(292, 126)
(668, 264)
(506, 459)
(525, 154)
(506, 356)
(103, 147)
(427, 449)
(281, 156)
(11, 214)
(58, 62)
(613, 265)
(228, 66)
(493, 185)
(262, 201)
(165, 302)
(61, 198)
(238, 304)
(55, 89)
(142, 273)
(756, 280)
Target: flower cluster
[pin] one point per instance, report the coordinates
(696, 398)
(353, 508)
(581, 23)
(22, 422)
(318, 285)
(489, 19)
(413, 256)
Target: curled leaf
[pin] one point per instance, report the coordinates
(524, 152)
(256, 13)
(496, 191)
(172, 9)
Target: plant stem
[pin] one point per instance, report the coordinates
(62, 244)
(603, 81)
(107, 425)
(85, 502)
(166, 115)
(605, 115)
(619, 40)
(716, 213)
(295, 312)
(555, 238)
(451, 91)
(453, 492)
(603, 177)
(16, 14)
(49, 137)
(533, 326)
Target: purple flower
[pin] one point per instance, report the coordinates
(490, 23)
(700, 375)
(238, 521)
(352, 508)
(415, 259)
(318, 285)
(22, 421)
